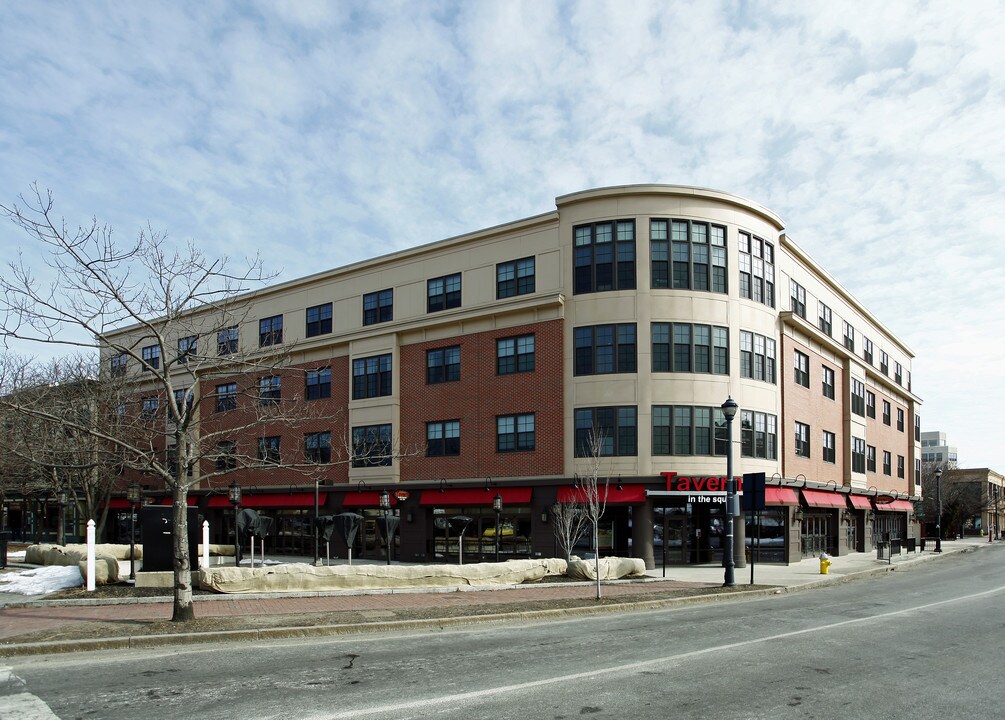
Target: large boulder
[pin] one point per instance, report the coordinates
(611, 568)
(300, 577)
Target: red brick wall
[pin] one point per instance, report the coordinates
(296, 418)
(811, 407)
(888, 437)
(477, 398)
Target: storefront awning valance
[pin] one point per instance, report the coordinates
(860, 502)
(475, 496)
(271, 500)
(623, 495)
(780, 496)
(118, 504)
(365, 499)
(191, 499)
(824, 499)
(896, 506)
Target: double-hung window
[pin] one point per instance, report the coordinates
(827, 380)
(152, 356)
(687, 255)
(516, 277)
(604, 257)
(269, 390)
(318, 447)
(857, 455)
(514, 355)
(372, 446)
(758, 435)
(870, 404)
(270, 331)
(824, 321)
(150, 406)
(443, 365)
(884, 363)
(318, 384)
(443, 293)
(757, 269)
(371, 377)
(900, 419)
(870, 458)
(319, 320)
(378, 306)
(226, 341)
(798, 293)
(603, 349)
(802, 439)
(757, 357)
(801, 368)
(898, 373)
(606, 431)
(226, 397)
(118, 364)
(886, 412)
(443, 438)
(515, 432)
(187, 348)
(828, 447)
(867, 349)
(849, 336)
(900, 466)
(887, 463)
(858, 397)
(268, 450)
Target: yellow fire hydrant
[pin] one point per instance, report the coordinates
(825, 563)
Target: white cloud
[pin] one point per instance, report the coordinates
(353, 129)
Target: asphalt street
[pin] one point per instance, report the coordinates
(922, 643)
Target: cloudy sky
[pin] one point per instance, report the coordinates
(322, 133)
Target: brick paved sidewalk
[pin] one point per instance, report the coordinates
(22, 621)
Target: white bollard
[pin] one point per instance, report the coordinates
(90, 556)
(205, 544)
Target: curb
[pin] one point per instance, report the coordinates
(345, 629)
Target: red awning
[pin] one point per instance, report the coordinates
(780, 496)
(366, 498)
(860, 502)
(271, 500)
(192, 500)
(824, 499)
(896, 506)
(118, 504)
(624, 495)
(480, 496)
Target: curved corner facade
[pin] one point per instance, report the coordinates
(480, 367)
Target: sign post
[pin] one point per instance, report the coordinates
(753, 501)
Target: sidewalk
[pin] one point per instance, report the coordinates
(37, 626)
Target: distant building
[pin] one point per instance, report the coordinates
(634, 311)
(936, 449)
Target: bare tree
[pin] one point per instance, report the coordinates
(586, 506)
(165, 324)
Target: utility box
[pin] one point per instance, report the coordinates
(158, 548)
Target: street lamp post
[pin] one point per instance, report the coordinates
(729, 409)
(133, 496)
(234, 495)
(938, 510)
(385, 505)
(317, 553)
(497, 506)
(61, 498)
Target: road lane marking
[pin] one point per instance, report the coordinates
(398, 708)
(20, 705)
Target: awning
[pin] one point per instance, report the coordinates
(860, 502)
(271, 500)
(365, 498)
(118, 504)
(473, 496)
(824, 499)
(191, 499)
(624, 495)
(896, 506)
(780, 496)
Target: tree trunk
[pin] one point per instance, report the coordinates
(184, 610)
(596, 554)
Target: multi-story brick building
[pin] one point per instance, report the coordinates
(477, 366)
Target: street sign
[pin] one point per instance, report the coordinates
(753, 499)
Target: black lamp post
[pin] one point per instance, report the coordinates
(938, 510)
(497, 506)
(317, 551)
(133, 496)
(729, 409)
(385, 505)
(234, 495)
(61, 498)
